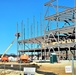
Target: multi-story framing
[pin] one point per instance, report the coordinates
(61, 40)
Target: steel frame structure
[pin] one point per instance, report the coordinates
(68, 15)
(52, 40)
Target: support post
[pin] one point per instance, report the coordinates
(73, 73)
(45, 54)
(69, 54)
(66, 54)
(41, 54)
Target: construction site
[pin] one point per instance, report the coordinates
(60, 40)
(52, 51)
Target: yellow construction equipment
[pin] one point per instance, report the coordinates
(17, 36)
(8, 47)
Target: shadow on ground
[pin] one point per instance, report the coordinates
(46, 73)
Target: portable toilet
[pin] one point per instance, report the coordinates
(53, 57)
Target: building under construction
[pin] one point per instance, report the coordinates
(61, 40)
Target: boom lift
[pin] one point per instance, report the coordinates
(4, 58)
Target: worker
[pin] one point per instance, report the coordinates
(17, 35)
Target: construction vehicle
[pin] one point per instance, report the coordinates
(24, 58)
(5, 58)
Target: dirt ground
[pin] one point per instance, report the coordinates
(57, 68)
(44, 69)
(13, 72)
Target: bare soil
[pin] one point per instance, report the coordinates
(42, 68)
(57, 68)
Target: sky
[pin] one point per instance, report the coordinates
(13, 12)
